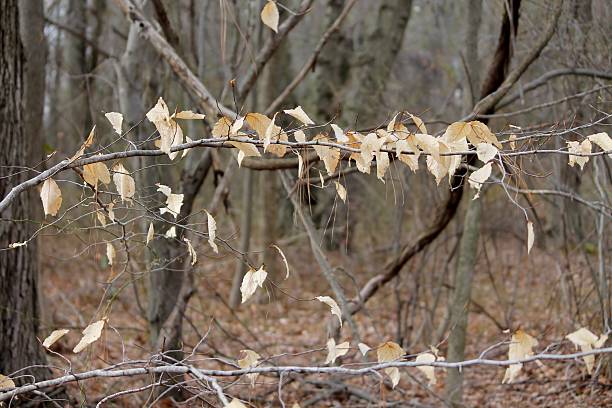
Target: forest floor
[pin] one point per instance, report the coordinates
(293, 328)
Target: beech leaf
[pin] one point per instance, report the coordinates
(521, 347)
(51, 197)
(251, 281)
(300, 115)
(212, 231)
(53, 337)
(115, 119)
(335, 309)
(91, 334)
(336, 350)
(270, 15)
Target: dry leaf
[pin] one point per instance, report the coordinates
(335, 309)
(575, 147)
(150, 233)
(6, 383)
(427, 358)
(174, 202)
(284, 260)
(300, 115)
(270, 15)
(17, 244)
(520, 348)
(329, 155)
(602, 140)
(390, 351)
(212, 231)
(90, 335)
(364, 348)
(223, 127)
(188, 115)
(486, 152)
(171, 233)
(192, 252)
(250, 360)
(110, 253)
(51, 197)
(334, 351)
(53, 337)
(251, 281)
(512, 140)
(299, 136)
(587, 341)
(126, 187)
(382, 164)
(339, 134)
(92, 173)
(115, 119)
(341, 191)
(170, 132)
(88, 142)
(246, 150)
(237, 125)
(478, 178)
(530, 236)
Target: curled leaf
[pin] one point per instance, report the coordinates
(53, 337)
(300, 115)
(336, 350)
(90, 335)
(115, 119)
(51, 197)
(270, 15)
(390, 351)
(212, 231)
(335, 309)
(521, 347)
(126, 187)
(251, 281)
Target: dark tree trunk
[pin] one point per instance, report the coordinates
(19, 346)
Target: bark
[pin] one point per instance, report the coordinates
(19, 308)
(461, 299)
(75, 100)
(373, 61)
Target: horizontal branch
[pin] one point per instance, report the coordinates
(369, 369)
(225, 143)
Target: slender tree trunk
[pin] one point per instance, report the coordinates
(468, 249)
(19, 308)
(461, 298)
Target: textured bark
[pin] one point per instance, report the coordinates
(373, 61)
(468, 250)
(19, 309)
(75, 113)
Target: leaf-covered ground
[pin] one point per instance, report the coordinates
(509, 287)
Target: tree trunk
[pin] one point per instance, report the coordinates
(469, 240)
(19, 308)
(461, 298)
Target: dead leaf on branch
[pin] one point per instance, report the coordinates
(270, 15)
(51, 197)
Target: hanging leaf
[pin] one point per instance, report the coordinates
(270, 15)
(259, 123)
(486, 152)
(580, 148)
(364, 348)
(284, 260)
(427, 358)
(53, 337)
(251, 281)
(150, 233)
(382, 164)
(390, 351)
(170, 132)
(341, 191)
(329, 155)
(250, 360)
(300, 115)
(192, 252)
(478, 178)
(126, 187)
(91, 334)
(171, 233)
(212, 232)
(602, 140)
(520, 348)
(335, 309)
(110, 253)
(334, 351)
(530, 236)
(339, 134)
(237, 125)
(512, 140)
(88, 142)
(115, 119)
(92, 173)
(51, 197)
(174, 202)
(245, 150)
(587, 341)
